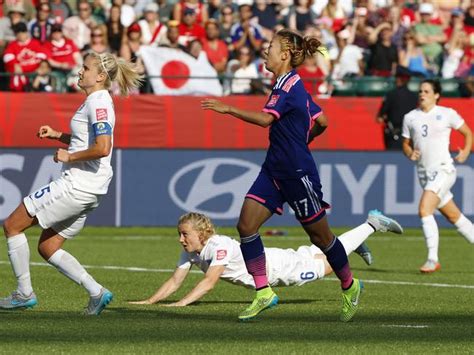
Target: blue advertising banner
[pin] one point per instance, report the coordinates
(155, 187)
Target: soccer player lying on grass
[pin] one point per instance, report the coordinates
(219, 256)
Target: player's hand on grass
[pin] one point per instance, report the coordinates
(62, 155)
(462, 156)
(415, 155)
(141, 302)
(215, 105)
(48, 132)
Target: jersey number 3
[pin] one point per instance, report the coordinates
(424, 130)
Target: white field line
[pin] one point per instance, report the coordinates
(142, 269)
(404, 326)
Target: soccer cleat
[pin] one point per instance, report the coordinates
(430, 266)
(98, 303)
(262, 302)
(350, 300)
(383, 223)
(365, 253)
(17, 301)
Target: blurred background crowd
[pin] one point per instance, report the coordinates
(42, 41)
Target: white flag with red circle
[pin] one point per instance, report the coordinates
(174, 72)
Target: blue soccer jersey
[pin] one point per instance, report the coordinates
(295, 113)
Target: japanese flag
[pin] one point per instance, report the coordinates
(167, 63)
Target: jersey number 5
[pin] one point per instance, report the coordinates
(40, 193)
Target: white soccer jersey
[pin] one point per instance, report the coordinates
(285, 267)
(92, 176)
(430, 133)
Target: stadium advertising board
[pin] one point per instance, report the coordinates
(154, 187)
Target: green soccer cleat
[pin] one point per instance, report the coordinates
(265, 299)
(350, 300)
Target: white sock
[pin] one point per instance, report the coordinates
(430, 230)
(19, 254)
(69, 266)
(465, 228)
(355, 237)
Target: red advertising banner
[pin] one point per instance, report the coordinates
(178, 122)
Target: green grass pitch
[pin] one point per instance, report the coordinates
(401, 310)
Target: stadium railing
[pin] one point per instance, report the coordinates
(365, 86)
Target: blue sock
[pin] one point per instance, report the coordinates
(337, 258)
(255, 261)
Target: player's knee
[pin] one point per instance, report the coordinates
(245, 229)
(42, 250)
(9, 228)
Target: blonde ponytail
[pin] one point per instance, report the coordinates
(118, 70)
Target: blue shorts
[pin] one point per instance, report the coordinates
(303, 194)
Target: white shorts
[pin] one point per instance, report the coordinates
(287, 267)
(440, 182)
(61, 207)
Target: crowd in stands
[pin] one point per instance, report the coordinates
(431, 38)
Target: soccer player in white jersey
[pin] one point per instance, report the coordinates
(61, 207)
(426, 132)
(220, 257)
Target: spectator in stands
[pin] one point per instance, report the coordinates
(62, 52)
(226, 21)
(27, 6)
(98, 42)
(383, 57)
(313, 76)
(412, 56)
(265, 84)
(324, 25)
(300, 15)
(199, 9)
(323, 62)
(16, 14)
(266, 15)
(115, 30)
(194, 49)
(244, 33)
(395, 105)
(215, 48)
(98, 12)
(43, 81)
(165, 13)
(361, 30)
(399, 27)
(430, 37)
(189, 29)
(131, 47)
(40, 27)
(243, 70)
(78, 28)
(172, 36)
(127, 13)
(346, 7)
(454, 52)
(153, 31)
(22, 56)
(60, 10)
(349, 59)
(336, 12)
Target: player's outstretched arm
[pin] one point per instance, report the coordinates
(168, 288)
(464, 152)
(262, 119)
(204, 286)
(48, 132)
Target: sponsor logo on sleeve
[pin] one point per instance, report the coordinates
(221, 254)
(273, 100)
(101, 114)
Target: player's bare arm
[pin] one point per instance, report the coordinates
(48, 132)
(168, 288)
(410, 153)
(319, 127)
(100, 149)
(203, 287)
(464, 152)
(262, 119)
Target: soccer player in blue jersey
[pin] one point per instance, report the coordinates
(289, 173)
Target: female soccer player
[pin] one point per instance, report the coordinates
(426, 132)
(61, 207)
(289, 173)
(220, 257)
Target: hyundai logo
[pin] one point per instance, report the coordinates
(208, 185)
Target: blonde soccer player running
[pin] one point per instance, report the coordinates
(61, 207)
(220, 257)
(426, 132)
